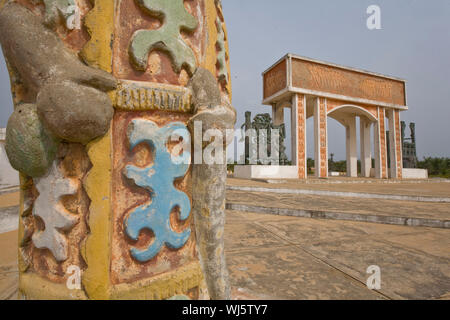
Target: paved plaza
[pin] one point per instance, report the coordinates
(285, 257)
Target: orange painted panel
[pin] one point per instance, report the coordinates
(275, 79)
(333, 104)
(334, 80)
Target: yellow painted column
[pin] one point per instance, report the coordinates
(100, 246)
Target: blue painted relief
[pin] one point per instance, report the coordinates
(158, 179)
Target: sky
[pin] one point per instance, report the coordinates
(413, 44)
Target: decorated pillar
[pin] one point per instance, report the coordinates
(380, 146)
(299, 104)
(394, 141)
(321, 138)
(398, 144)
(112, 205)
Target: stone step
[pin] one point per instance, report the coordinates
(318, 214)
(361, 195)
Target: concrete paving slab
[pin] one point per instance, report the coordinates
(405, 273)
(250, 236)
(418, 268)
(289, 273)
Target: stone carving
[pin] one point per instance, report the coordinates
(30, 147)
(158, 179)
(409, 149)
(221, 54)
(167, 38)
(55, 217)
(61, 101)
(209, 183)
(135, 97)
(412, 127)
(60, 87)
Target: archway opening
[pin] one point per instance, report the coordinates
(357, 123)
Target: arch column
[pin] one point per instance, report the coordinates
(299, 116)
(380, 146)
(396, 165)
(320, 138)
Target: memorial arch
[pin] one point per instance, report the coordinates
(312, 88)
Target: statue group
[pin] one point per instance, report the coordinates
(409, 146)
(258, 134)
(98, 87)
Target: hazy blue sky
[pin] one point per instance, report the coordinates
(414, 44)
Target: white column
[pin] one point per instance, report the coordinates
(317, 136)
(366, 155)
(377, 149)
(393, 173)
(352, 158)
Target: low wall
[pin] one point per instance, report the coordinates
(414, 173)
(265, 172)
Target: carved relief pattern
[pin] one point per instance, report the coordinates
(49, 208)
(222, 56)
(133, 96)
(158, 178)
(302, 173)
(167, 38)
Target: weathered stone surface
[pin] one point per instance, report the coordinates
(213, 111)
(204, 88)
(39, 55)
(31, 149)
(74, 112)
(208, 182)
(69, 102)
